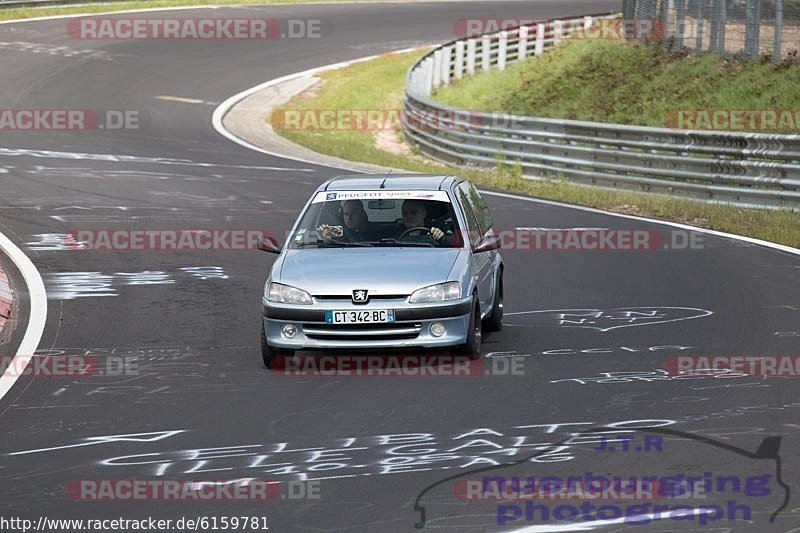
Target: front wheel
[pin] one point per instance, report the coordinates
(472, 347)
(494, 322)
(268, 353)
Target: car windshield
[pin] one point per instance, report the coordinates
(378, 218)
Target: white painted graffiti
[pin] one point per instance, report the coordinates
(71, 285)
(349, 457)
(655, 375)
(210, 272)
(54, 242)
(609, 319)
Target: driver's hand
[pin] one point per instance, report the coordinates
(436, 234)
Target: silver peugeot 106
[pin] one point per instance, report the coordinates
(385, 261)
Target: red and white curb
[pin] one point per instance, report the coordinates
(38, 311)
(6, 299)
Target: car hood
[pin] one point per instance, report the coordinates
(340, 271)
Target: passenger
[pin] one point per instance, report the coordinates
(357, 226)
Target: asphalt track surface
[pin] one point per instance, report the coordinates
(200, 384)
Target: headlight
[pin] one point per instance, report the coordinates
(437, 293)
(285, 294)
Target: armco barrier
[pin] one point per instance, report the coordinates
(748, 169)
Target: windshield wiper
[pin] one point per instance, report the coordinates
(323, 244)
(387, 241)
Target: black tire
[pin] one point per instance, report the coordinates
(494, 322)
(472, 347)
(268, 353)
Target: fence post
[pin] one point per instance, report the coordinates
(522, 46)
(628, 9)
(459, 66)
(680, 23)
(539, 39)
(501, 50)
(428, 87)
(557, 29)
(437, 68)
(778, 30)
(700, 23)
(752, 27)
(713, 41)
(446, 55)
(471, 57)
(485, 51)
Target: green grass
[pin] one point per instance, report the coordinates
(104, 7)
(378, 84)
(626, 83)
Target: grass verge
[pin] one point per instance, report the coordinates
(378, 84)
(105, 7)
(624, 82)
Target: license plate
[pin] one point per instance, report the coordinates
(371, 316)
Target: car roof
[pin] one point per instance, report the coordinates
(395, 182)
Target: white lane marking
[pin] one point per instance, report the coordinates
(752, 240)
(36, 320)
(224, 107)
(115, 158)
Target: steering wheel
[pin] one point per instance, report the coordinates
(415, 228)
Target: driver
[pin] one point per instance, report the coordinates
(414, 214)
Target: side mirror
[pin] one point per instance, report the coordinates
(268, 244)
(488, 243)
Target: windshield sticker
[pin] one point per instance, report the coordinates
(440, 196)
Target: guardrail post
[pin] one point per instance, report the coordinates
(446, 55)
(557, 29)
(485, 52)
(437, 68)
(539, 39)
(502, 49)
(471, 57)
(522, 46)
(459, 66)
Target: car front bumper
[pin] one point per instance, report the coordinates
(411, 328)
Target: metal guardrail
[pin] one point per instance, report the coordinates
(748, 169)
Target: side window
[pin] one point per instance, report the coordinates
(481, 209)
(473, 228)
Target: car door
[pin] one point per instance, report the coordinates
(481, 262)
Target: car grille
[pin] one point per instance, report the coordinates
(338, 297)
(362, 332)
